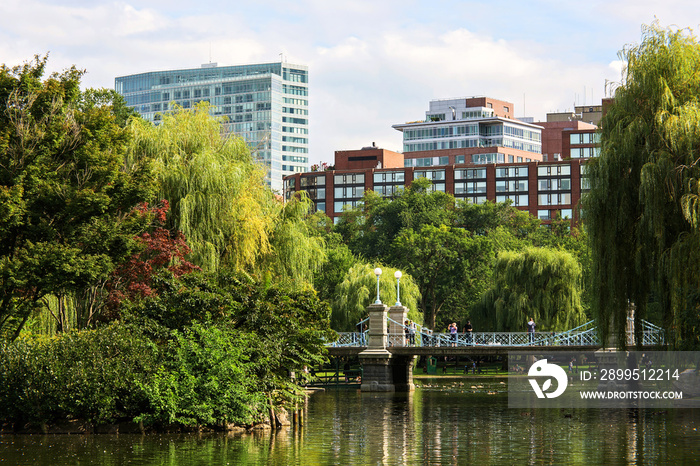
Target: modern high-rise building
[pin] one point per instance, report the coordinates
(266, 104)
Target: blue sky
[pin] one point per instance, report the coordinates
(372, 63)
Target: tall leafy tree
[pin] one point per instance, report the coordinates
(339, 260)
(370, 229)
(442, 260)
(217, 193)
(64, 190)
(485, 218)
(642, 210)
(297, 249)
(541, 283)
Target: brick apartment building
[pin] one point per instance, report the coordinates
(471, 148)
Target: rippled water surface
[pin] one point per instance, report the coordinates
(455, 421)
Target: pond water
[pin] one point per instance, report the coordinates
(445, 421)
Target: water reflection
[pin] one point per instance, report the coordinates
(454, 422)
(458, 424)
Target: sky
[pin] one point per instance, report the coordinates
(372, 64)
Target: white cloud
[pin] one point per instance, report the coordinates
(372, 64)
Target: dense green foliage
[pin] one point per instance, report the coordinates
(64, 194)
(449, 248)
(297, 249)
(205, 351)
(536, 282)
(204, 379)
(216, 192)
(93, 375)
(642, 210)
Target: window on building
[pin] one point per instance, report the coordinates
(470, 187)
(349, 178)
(434, 175)
(518, 200)
(389, 177)
(469, 173)
(554, 170)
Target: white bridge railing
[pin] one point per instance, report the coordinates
(583, 335)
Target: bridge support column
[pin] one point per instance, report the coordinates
(381, 371)
(399, 315)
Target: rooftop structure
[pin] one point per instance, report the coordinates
(464, 130)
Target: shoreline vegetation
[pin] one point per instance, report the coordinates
(202, 367)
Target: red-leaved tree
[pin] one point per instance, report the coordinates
(161, 249)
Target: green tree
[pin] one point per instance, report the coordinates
(537, 282)
(642, 210)
(370, 229)
(358, 289)
(485, 218)
(442, 260)
(64, 192)
(217, 193)
(205, 379)
(283, 330)
(339, 260)
(297, 250)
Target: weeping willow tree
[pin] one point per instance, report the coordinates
(359, 289)
(541, 283)
(643, 208)
(217, 194)
(296, 250)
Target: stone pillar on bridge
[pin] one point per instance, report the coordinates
(377, 330)
(399, 315)
(381, 371)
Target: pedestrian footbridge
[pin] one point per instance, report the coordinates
(423, 341)
(388, 348)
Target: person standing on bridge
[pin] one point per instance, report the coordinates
(468, 331)
(531, 330)
(453, 333)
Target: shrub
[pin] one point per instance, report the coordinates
(92, 375)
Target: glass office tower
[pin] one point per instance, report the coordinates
(266, 104)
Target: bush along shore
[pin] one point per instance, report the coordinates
(207, 353)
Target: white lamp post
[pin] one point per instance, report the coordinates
(378, 272)
(397, 274)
